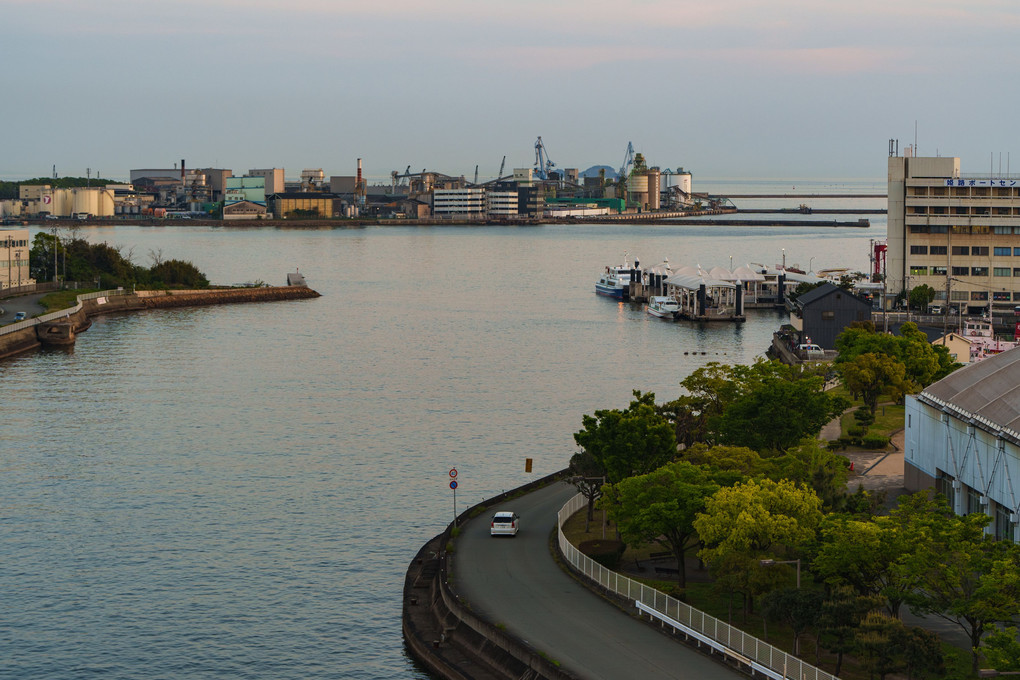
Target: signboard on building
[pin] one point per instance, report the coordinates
(981, 182)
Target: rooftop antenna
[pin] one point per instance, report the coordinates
(915, 139)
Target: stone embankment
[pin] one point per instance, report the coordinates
(447, 637)
(31, 334)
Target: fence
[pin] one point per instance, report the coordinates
(731, 641)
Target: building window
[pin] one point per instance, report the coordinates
(938, 271)
(919, 271)
(979, 271)
(939, 229)
(979, 295)
(961, 250)
(961, 271)
(1016, 252)
(918, 250)
(958, 229)
(981, 228)
(1000, 250)
(1001, 296)
(944, 486)
(1002, 271)
(828, 315)
(1004, 529)
(979, 250)
(918, 229)
(937, 250)
(973, 501)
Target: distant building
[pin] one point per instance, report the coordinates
(14, 250)
(820, 315)
(304, 205)
(948, 229)
(501, 203)
(962, 437)
(245, 198)
(458, 204)
(273, 177)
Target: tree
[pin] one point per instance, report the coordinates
(589, 478)
(865, 555)
(661, 506)
(798, 608)
(876, 642)
(965, 577)
(777, 414)
(813, 464)
(921, 296)
(1002, 649)
(739, 460)
(627, 443)
(841, 614)
(924, 363)
(749, 521)
(869, 375)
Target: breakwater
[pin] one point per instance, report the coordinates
(32, 333)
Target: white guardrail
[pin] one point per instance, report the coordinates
(60, 314)
(733, 642)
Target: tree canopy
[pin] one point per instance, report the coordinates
(631, 442)
(923, 362)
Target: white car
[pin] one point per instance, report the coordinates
(504, 523)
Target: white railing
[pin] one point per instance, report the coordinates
(59, 314)
(680, 616)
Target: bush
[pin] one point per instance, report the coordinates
(845, 442)
(837, 444)
(856, 431)
(874, 441)
(864, 417)
(607, 552)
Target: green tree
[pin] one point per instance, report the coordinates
(589, 478)
(921, 296)
(841, 614)
(922, 653)
(777, 414)
(877, 643)
(966, 577)
(798, 608)
(924, 363)
(177, 274)
(813, 464)
(869, 375)
(660, 507)
(752, 520)
(739, 460)
(1002, 649)
(631, 442)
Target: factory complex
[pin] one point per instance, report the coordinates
(539, 192)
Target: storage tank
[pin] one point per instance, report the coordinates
(637, 190)
(654, 187)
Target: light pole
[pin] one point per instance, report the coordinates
(810, 265)
(784, 259)
(17, 254)
(731, 264)
(772, 563)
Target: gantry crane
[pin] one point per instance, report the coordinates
(543, 164)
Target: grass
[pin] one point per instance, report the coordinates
(61, 299)
(888, 419)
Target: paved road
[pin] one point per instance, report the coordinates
(515, 582)
(21, 303)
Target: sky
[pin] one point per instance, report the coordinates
(723, 88)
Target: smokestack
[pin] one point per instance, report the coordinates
(182, 170)
(359, 171)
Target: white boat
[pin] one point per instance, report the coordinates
(611, 286)
(983, 342)
(663, 307)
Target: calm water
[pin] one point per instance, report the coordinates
(236, 491)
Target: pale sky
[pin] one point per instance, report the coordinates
(724, 88)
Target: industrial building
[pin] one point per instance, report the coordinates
(458, 204)
(958, 233)
(245, 198)
(962, 437)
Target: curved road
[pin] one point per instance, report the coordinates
(516, 583)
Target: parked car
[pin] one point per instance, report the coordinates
(19, 316)
(504, 523)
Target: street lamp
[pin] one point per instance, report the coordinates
(810, 265)
(784, 259)
(772, 563)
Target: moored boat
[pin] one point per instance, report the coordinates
(663, 307)
(611, 286)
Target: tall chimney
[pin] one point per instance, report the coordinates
(359, 173)
(182, 171)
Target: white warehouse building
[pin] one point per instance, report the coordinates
(963, 438)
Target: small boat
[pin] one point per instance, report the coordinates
(663, 307)
(611, 286)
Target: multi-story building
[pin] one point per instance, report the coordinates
(273, 177)
(501, 203)
(958, 233)
(14, 249)
(458, 204)
(244, 198)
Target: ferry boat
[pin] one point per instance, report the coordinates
(611, 286)
(983, 342)
(663, 307)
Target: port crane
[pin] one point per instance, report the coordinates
(543, 164)
(628, 162)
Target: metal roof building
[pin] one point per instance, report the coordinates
(963, 438)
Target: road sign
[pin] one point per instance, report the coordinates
(453, 473)
(453, 484)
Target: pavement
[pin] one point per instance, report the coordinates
(21, 303)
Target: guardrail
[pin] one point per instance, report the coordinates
(59, 314)
(723, 637)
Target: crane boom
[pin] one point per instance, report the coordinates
(628, 160)
(543, 164)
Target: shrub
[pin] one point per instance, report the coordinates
(874, 441)
(864, 416)
(856, 431)
(606, 552)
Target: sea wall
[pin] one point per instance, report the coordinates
(25, 336)
(443, 633)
